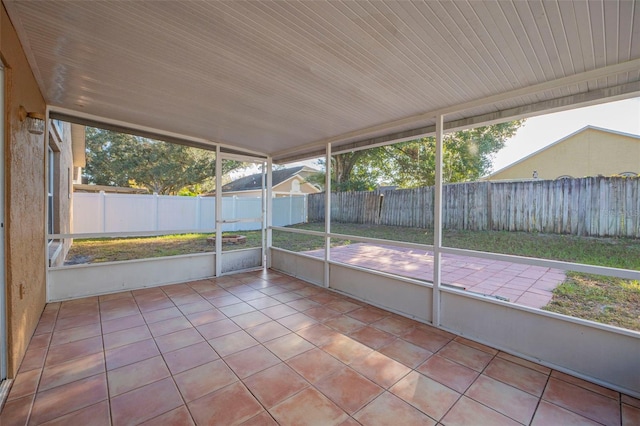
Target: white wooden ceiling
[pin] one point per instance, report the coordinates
(282, 77)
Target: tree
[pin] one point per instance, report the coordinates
(118, 159)
(467, 155)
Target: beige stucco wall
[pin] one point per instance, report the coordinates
(287, 186)
(25, 199)
(588, 153)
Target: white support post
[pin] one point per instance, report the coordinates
(437, 225)
(269, 213)
(218, 212)
(327, 215)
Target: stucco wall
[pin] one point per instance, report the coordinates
(588, 153)
(25, 199)
(287, 186)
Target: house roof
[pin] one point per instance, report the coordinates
(253, 182)
(559, 141)
(285, 78)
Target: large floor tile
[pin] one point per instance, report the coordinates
(315, 364)
(344, 324)
(451, 374)
(68, 398)
(231, 405)
(216, 329)
(346, 349)
(275, 384)
(405, 353)
(78, 349)
(74, 334)
(132, 376)
(427, 395)
(523, 378)
(319, 334)
(125, 337)
(348, 389)
(297, 321)
(380, 369)
(168, 326)
(308, 407)
(549, 414)
(372, 337)
(503, 398)
(70, 371)
(582, 401)
(204, 379)
(177, 417)
(145, 403)
(232, 343)
(189, 357)
(394, 325)
(250, 361)
(25, 384)
(468, 412)
(94, 415)
(466, 355)
(16, 411)
(388, 409)
(129, 354)
(630, 415)
(178, 340)
(429, 341)
(268, 331)
(288, 346)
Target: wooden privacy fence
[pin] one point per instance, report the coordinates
(594, 206)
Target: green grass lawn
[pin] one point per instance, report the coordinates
(603, 299)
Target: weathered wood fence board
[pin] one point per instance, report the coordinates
(597, 206)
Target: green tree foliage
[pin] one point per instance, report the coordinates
(117, 159)
(467, 156)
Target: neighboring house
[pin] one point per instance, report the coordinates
(291, 181)
(590, 151)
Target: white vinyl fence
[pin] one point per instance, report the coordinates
(100, 212)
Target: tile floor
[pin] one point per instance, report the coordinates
(264, 348)
(523, 284)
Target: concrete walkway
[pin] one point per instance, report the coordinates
(523, 284)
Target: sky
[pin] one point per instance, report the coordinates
(538, 132)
